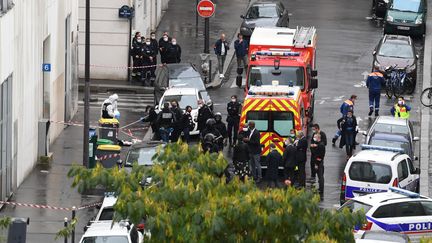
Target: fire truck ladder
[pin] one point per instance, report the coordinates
(303, 36)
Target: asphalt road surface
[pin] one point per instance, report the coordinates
(346, 39)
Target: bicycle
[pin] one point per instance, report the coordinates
(398, 82)
(426, 97)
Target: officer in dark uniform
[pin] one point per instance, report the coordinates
(155, 46)
(137, 55)
(204, 113)
(233, 119)
(187, 124)
(221, 127)
(166, 120)
(177, 125)
(148, 57)
(173, 54)
(164, 42)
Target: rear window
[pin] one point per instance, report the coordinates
(389, 128)
(280, 122)
(355, 206)
(370, 172)
(107, 214)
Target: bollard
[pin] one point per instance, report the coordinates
(65, 225)
(73, 229)
(210, 71)
(18, 230)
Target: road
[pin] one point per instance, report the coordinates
(346, 39)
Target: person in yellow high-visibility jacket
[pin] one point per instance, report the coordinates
(401, 109)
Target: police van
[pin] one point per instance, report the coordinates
(397, 210)
(375, 169)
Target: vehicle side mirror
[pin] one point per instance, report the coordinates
(417, 171)
(374, 53)
(314, 73)
(242, 16)
(313, 83)
(156, 107)
(415, 139)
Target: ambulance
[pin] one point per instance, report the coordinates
(287, 56)
(278, 112)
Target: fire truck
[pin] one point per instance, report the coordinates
(278, 112)
(287, 56)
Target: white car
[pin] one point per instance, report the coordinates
(397, 210)
(106, 232)
(376, 170)
(185, 97)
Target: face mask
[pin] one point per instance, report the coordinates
(174, 43)
(233, 100)
(153, 37)
(165, 38)
(189, 111)
(314, 131)
(148, 43)
(139, 40)
(200, 105)
(400, 102)
(316, 140)
(245, 129)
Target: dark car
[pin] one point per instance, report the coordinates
(180, 75)
(141, 153)
(406, 17)
(393, 141)
(379, 7)
(395, 50)
(264, 14)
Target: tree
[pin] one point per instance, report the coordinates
(189, 201)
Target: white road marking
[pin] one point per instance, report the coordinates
(322, 102)
(233, 85)
(360, 84)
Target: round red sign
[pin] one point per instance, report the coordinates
(205, 8)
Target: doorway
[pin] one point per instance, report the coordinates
(6, 165)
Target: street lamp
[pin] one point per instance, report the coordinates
(87, 87)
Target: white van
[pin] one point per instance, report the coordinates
(377, 169)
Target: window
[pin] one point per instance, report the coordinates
(262, 11)
(385, 211)
(261, 119)
(5, 5)
(355, 206)
(268, 121)
(390, 128)
(411, 166)
(402, 170)
(283, 123)
(265, 75)
(107, 214)
(407, 5)
(183, 100)
(409, 209)
(370, 172)
(427, 207)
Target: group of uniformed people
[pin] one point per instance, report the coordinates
(145, 50)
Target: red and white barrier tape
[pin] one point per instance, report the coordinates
(31, 205)
(78, 124)
(108, 156)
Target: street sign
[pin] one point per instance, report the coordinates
(126, 12)
(205, 8)
(46, 67)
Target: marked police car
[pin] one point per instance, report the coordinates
(397, 210)
(375, 170)
(106, 232)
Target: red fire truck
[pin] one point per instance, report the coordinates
(284, 57)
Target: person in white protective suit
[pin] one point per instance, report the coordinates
(109, 108)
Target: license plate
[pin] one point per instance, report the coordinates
(403, 28)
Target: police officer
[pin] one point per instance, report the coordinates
(109, 108)
(375, 82)
(137, 55)
(347, 105)
(164, 42)
(401, 109)
(221, 127)
(204, 113)
(175, 109)
(166, 121)
(210, 137)
(173, 52)
(233, 119)
(148, 57)
(187, 123)
(155, 46)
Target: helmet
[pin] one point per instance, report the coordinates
(218, 116)
(210, 122)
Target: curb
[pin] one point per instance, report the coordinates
(425, 111)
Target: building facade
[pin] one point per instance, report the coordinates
(34, 33)
(110, 34)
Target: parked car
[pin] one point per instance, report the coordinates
(391, 131)
(142, 153)
(178, 75)
(264, 13)
(379, 7)
(406, 17)
(384, 236)
(397, 210)
(107, 232)
(395, 50)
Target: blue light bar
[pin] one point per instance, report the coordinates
(278, 53)
(381, 148)
(404, 192)
(109, 194)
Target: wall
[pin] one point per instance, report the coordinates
(23, 30)
(110, 34)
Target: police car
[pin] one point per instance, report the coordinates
(121, 232)
(375, 170)
(397, 210)
(185, 97)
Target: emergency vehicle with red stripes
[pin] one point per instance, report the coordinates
(288, 56)
(278, 112)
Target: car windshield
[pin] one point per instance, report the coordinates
(141, 155)
(183, 100)
(265, 75)
(262, 11)
(279, 122)
(391, 144)
(355, 206)
(390, 128)
(406, 5)
(106, 214)
(106, 239)
(185, 82)
(370, 172)
(396, 50)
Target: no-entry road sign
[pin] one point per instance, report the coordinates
(205, 8)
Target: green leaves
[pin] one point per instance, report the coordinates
(189, 201)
